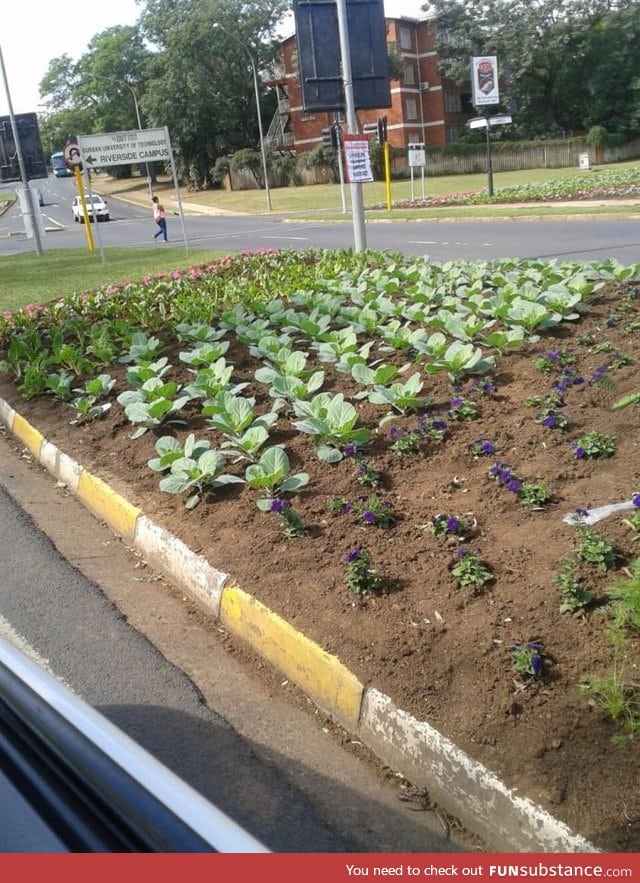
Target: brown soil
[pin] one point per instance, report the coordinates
(440, 651)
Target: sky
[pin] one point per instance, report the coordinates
(38, 31)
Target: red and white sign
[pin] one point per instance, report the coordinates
(356, 154)
(484, 80)
(71, 152)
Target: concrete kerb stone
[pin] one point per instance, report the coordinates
(171, 556)
(462, 786)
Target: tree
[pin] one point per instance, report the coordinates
(555, 57)
(202, 80)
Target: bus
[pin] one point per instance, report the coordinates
(59, 166)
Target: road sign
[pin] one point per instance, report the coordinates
(71, 153)
(416, 155)
(124, 148)
(483, 122)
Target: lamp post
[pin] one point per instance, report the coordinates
(137, 109)
(257, 93)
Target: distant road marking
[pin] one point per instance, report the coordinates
(7, 631)
(275, 236)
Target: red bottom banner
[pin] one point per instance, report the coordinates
(317, 868)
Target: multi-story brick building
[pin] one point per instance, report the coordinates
(426, 108)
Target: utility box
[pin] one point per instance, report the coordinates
(583, 161)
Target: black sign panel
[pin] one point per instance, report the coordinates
(319, 54)
(30, 145)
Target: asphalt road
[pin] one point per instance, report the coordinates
(146, 658)
(595, 238)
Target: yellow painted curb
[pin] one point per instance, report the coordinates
(332, 686)
(27, 434)
(119, 514)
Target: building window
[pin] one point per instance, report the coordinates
(405, 38)
(408, 75)
(453, 133)
(452, 102)
(411, 109)
(305, 116)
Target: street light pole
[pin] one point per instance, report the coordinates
(257, 94)
(137, 109)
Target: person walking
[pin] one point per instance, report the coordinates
(159, 216)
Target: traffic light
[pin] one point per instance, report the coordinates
(331, 136)
(380, 129)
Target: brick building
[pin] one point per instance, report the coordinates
(425, 107)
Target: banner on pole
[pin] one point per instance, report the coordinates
(484, 80)
(356, 154)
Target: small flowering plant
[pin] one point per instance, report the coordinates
(552, 419)
(290, 521)
(554, 360)
(527, 658)
(339, 506)
(482, 447)
(360, 575)
(462, 410)
(534, 494)
(506, 476)
(469, 569)
(594, 445)
(366, 474)
(450, 525)
(405, 441)
(373, 511)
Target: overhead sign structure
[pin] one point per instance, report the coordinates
(125, 148)
(484, 80)
(320, 57)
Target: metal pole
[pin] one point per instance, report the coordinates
(357, 205)
(175, 184)
(489, 165)
(23, 168)
(138, 117)
(257, 93)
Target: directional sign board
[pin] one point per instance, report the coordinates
(417, 155)
(482, 122)
(124, 148)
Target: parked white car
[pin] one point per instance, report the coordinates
(99, 205)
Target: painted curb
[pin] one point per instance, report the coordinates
(27, 434)
(465, 787)
(322, 676)
(106, 504)
(191, 572)
(462, 786)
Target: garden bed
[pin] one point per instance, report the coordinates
(443, 651)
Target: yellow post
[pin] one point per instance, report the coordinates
(387, 174)
(85, 214)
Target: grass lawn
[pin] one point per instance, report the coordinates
(323, 198)
(27, 278)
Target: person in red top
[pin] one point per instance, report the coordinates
(159, 216)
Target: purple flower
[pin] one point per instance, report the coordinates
(505, 476)
(496, 469)
(278, 505)
(582, 513)
(635, 499)
(456, 402)
(549, 421)
(484, 446)
(453, 524)
(349, 450)
(395, 432)
(439, 424)
(351, 556)
(580, 452)
(537, 664)
(460, 553)
(369, 517)
(514, 485)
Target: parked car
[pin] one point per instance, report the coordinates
(99, 206)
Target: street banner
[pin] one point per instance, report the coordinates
(484, 80)
(356, 154)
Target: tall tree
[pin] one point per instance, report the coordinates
(202, 80)
(549, 53)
